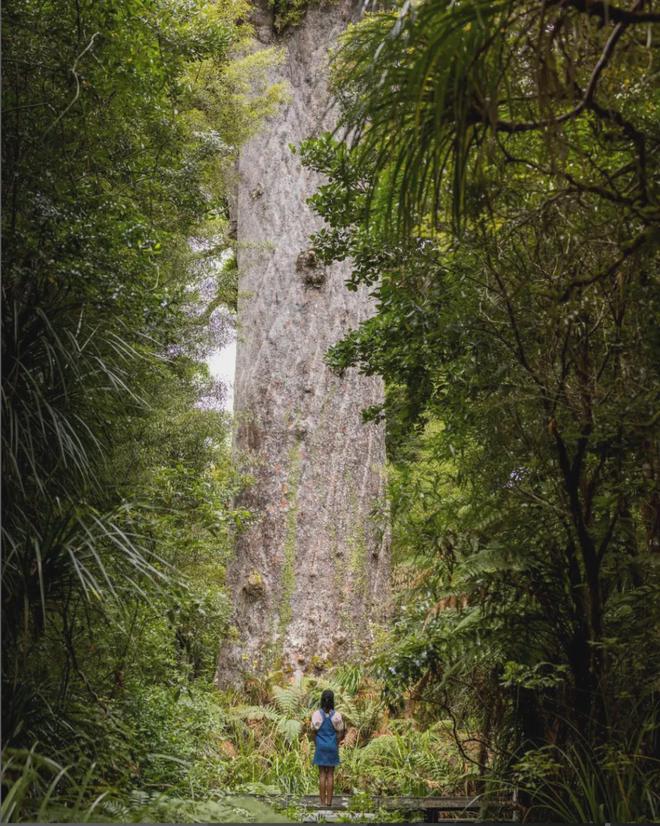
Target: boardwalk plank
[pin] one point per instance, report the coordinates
(403, 803)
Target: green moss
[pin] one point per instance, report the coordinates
(255, 582)
(290, 542)
(320, 664)
(288, 13)
(358, 557)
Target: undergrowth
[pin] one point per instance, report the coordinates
(288, 13)
(380, 755)
(198, 755)
(214, 757)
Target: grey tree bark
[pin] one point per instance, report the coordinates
(310, 579)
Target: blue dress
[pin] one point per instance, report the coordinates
(327, 750)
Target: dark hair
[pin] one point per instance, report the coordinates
(327, 701)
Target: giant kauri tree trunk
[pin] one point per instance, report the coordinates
(310, 577)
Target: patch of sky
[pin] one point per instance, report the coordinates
(216, 343)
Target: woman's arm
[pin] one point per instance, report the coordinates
(340, 727)
(313, 726)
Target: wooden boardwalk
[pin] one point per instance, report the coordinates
(434, 809)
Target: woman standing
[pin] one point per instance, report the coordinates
(328, 731)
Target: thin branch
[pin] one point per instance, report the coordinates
(609, 13)
(522, 356)
(603, 60)
(628, 250)
(77, 79)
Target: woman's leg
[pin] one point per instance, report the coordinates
(322, 784)
(330, 785)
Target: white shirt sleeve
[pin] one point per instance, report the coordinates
(317, 720)
(337, 721)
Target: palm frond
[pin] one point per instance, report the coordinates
(414, 85)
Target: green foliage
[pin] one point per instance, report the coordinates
(123, 124)
(42, 791)
(272, 753)
(438, 94)
(496, 194)
(288, 13)
(580, 786)
(116, 150)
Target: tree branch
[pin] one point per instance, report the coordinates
(587, 99)
(77, 79)
(628, 250)
(609, 13)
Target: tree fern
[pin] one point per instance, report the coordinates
(291, 699)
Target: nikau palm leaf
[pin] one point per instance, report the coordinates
(412, 110)
(427, 89)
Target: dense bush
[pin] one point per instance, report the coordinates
(496, 192)
(122, 122)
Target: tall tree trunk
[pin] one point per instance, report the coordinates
(312, 573)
